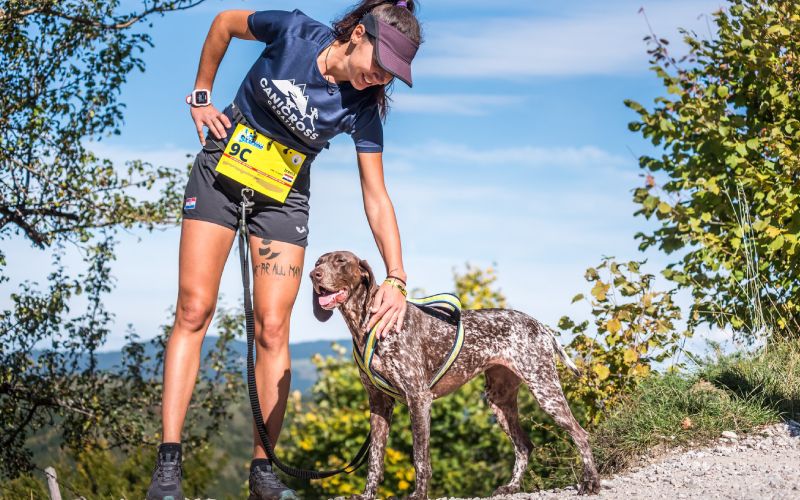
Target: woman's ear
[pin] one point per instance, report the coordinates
(366, 273)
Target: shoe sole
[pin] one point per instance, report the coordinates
(254, 497)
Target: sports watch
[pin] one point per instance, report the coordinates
(199, 97)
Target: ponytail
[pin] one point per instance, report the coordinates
(400, 16)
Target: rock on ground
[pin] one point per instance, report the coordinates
(762, 464)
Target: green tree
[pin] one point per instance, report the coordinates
(729, 134)
(634, 330)
(62, 65)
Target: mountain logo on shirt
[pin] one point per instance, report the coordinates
(289, 101)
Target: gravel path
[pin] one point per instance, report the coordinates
(762, 464)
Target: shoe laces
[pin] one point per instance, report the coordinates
(168, 470)
(268, 478)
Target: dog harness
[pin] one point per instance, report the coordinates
(442, 303)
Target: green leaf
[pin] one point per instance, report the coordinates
(779, 30)
(777, 243)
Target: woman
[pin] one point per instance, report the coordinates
(309, 84)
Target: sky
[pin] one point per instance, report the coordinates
(512, 150)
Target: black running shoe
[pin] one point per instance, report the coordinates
(166, 481)
(265, 485)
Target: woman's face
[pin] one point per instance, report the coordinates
(363, 69)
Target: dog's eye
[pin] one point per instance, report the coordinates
(341, 260)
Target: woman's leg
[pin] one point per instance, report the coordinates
(204, 248)
(277, 269)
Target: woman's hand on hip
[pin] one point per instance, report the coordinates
(388, 310)
(210, 117)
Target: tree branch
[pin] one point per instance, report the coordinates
(133, 19)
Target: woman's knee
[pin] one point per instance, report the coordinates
(272, 331)
(194, 314)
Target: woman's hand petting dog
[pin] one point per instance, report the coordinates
(388, 309)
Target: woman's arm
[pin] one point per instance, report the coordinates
(227, 24)
(389, 305)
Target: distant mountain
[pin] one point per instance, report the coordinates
(303, 371)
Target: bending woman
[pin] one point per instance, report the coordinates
(309, 84)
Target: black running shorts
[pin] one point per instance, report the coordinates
(213, 197)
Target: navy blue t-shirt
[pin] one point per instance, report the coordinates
(285, 96)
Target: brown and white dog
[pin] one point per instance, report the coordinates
(508, 346)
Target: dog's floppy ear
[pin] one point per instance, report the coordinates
(366, 273)
(320, 313)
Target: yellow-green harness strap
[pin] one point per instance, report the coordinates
(450, 305)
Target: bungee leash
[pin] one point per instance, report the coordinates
(244, 253)
(445, 304)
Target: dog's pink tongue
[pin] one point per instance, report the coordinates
(326, 300)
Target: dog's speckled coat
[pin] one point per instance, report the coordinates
(509, 346)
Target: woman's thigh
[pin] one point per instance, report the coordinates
(277, 272)
(204, 248)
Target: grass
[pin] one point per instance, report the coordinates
(736, 392)
(773, 374)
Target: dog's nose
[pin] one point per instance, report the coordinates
(315, 273)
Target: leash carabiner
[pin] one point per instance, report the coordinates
(245, 207)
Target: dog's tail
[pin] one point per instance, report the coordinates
(561, 352)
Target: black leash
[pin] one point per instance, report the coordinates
(244, 253)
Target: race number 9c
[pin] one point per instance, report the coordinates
(239, 151)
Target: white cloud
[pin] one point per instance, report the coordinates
(517, 156)
(452, 104)
(591, 41)
(166, 156)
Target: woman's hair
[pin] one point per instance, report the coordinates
(387, 11)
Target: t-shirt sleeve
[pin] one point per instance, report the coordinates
(267, 25)
(367, 131)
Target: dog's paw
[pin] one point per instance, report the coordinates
(508, 489)
(590, 485)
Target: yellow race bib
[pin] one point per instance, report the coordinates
(260, 163)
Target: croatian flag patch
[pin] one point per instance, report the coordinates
(190, 203)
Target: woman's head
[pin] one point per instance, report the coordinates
(368, 67)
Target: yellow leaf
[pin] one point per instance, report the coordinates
(613, 325)
(630, 356)
(403, 485)
(641, 370)
(599, 291)
(602, 371)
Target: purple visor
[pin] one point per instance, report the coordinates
(393, 50)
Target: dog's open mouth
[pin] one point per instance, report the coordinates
(330, 300)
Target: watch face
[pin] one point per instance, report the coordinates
(201, 97)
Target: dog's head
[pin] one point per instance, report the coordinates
(336, 277)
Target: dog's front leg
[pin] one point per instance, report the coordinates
(380, 420)
(419, 409)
